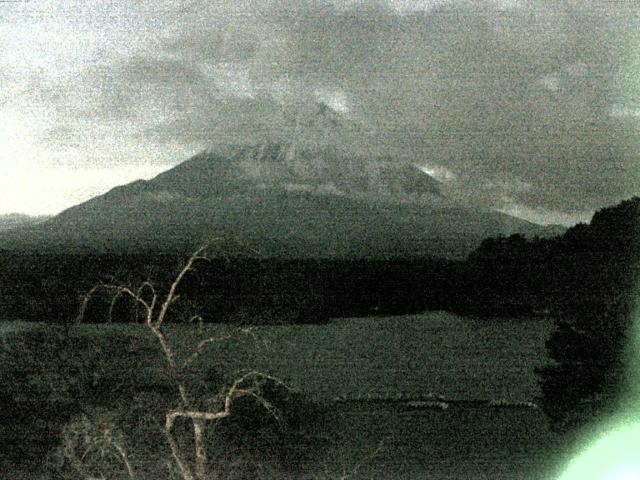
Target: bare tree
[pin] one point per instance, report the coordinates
(88, 441)
(191, 465)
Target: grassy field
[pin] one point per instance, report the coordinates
(458, 358)
(439, 353)
(436, 352)
(457, 444)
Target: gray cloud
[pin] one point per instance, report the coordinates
(521, 103)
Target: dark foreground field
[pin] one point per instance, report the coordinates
(462, 442)
(468, 362)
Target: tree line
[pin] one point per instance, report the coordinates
(49, 287)
(585, 280)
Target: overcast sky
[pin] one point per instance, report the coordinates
(526, 106)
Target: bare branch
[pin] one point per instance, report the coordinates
(185, 471)
(269, 407)
(198, 419)
(171, 296)
(234, 392)
(146, 284)
(193, 414)
(154, 297)
(112, 305)
(202, 344)
(200, 348)
(96, 437)
(85, 302)
(200, 448)
(123, 456)
(166, 348)
(199, 319)
(118, 289)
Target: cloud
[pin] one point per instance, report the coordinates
(527, 103)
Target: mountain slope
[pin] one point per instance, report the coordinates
(277, 209)
(318, 188)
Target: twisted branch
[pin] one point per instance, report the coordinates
(171, 296)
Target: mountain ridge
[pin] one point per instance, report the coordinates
(318, 187)
(370, 209)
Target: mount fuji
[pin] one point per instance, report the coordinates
(305, 192)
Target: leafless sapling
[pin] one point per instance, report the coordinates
(192, 465)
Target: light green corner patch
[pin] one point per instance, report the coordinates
(613, 451)
(613, 456)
